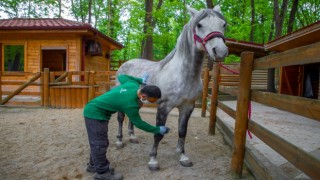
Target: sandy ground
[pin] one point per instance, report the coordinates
(52, 144)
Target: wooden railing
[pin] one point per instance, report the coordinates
(72, 89)
(301, 159)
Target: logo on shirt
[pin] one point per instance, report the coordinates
(123, 90)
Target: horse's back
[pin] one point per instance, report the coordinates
(138, 67)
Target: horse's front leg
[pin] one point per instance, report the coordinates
(184, 116)
(133, 138)
(162, 114)
(119, 143)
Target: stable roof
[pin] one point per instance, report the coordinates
(53, 24)
(304, 36)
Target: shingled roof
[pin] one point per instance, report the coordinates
(49, 24)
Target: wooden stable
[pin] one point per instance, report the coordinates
(28, 46)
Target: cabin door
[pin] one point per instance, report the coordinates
(53, 59)
(291, 80)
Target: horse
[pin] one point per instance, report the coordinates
(178, 75)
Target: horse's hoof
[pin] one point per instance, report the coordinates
(186, 163)
(153, 164)
(119, 145)
(134, 140)
(153, 167)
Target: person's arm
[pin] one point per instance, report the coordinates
(123, 78)
(134, 117)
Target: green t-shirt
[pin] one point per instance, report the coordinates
(123, 98)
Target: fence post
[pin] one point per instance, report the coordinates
(91, 85)
(41, 88)
(0, 86)
(214, 98)
(206, 81)
(241, 124)
(46, 78)
(69, 78)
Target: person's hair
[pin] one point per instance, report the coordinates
(151, 91)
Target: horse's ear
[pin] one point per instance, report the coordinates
(191, 10)
(217, 8)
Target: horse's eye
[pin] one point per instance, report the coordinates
(199, 25)
(224, 25)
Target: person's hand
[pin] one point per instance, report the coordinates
(164, 130)
(144, 78)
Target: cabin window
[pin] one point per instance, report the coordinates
(13, 57)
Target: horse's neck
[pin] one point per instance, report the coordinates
(187, 59)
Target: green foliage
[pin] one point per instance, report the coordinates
(124, 20)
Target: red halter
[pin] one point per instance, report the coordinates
(207, 38)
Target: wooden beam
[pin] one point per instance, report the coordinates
(298, 105)
(0, 84)
(229, 90)
(61, 77)
(241, 124)
(205, 92)
(298, 56)
(303, 160)
(5, 100)
(46, 93)
(214, 98)
(227, 109)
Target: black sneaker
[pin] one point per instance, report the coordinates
(91, 169)
(110, 175)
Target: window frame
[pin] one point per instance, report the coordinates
(5, 72)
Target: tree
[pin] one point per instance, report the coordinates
(292, 15)
(252, 21)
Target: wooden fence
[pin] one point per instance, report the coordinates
(301, 159)
(72, 89)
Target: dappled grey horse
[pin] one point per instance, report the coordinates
(178, 75)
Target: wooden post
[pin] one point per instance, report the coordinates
(0, 86)
(69, 80)
(241, 124)
(214, 99)
(41, 88)
(91, 86)
(86, 78)
(46, 94)
(206, 81)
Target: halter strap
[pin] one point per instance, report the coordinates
(208, 37)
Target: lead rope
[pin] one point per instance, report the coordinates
(249, 108)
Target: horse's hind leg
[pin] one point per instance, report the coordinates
(184, 116)
(133, 138)
(119, 143)
(162, 114)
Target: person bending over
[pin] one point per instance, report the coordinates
(126, 98)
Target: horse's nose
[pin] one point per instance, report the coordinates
(220, 52)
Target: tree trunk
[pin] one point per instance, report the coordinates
(292, 15)
(147, 42)
(89, 11)
(210, 4)
(110, 19)
(252, 21)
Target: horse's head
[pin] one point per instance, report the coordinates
(208, 27)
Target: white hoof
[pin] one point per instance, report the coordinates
(153, 164)
(185, 161)
(119, 144)
(134, 139)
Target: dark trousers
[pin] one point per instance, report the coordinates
(98, 141)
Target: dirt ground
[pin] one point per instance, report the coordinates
(53, 144)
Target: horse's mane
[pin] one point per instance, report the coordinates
(185, 39)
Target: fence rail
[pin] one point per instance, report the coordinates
(56, 89)
(242, 87)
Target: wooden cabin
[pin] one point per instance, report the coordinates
(31, 45)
